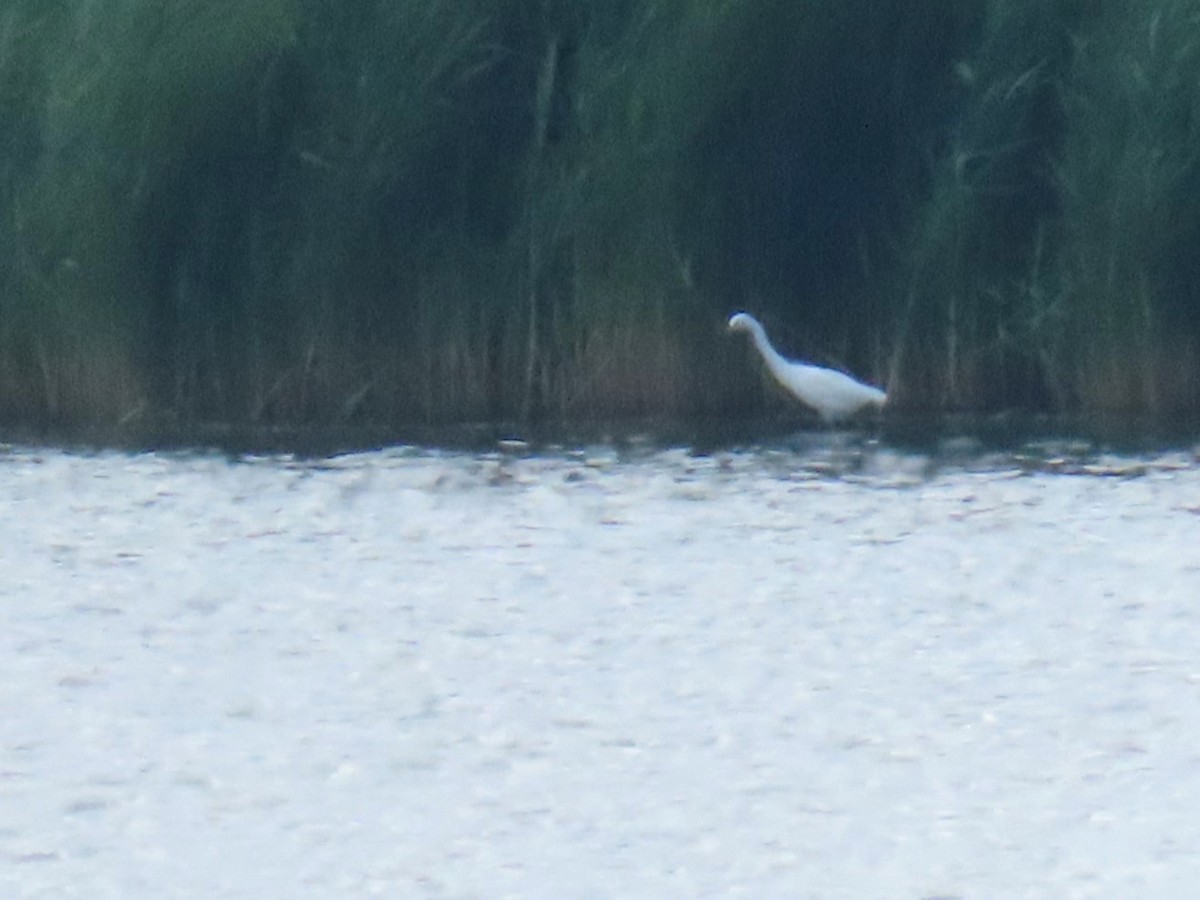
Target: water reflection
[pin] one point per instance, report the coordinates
(742, 650)
(928, 444)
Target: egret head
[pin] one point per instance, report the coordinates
(740, 322)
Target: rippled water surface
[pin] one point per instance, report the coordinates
(824, 669)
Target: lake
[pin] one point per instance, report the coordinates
(825, 665)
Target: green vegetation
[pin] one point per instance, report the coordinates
(316, 212)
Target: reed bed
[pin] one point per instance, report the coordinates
(310, 212)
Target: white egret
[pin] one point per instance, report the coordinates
(833, 394)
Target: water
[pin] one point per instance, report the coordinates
(826, 666)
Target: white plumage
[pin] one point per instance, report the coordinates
(834, 395)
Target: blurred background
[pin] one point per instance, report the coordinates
(311, 212)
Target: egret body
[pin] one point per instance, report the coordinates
(833, 394)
